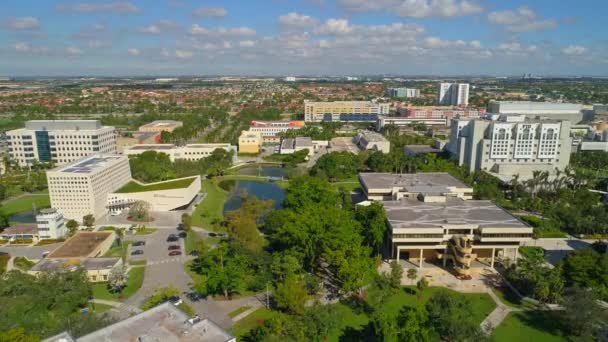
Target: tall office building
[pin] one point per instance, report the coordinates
(403, 92)
(59, 141)
(572, 112)
(344, 111)
(82, 187)
(270, 129)
(453, 94)
(511, 146)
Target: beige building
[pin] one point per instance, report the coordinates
(82, 187)
(161, 125)
(250, 142)
(60, 141)
(123, 142)
(187, 152)
(368, 140)
(98, 269)
(391, 186)
(344, 111)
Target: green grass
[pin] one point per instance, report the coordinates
(510, 298)
(23, 263)
(349, 186)
(210, 210)
(531, 251)
(533, 326)
(134, 282)
(137, 263)
(135, 187)
(25, 203)
(99, 308)
(239, 311)
(3, 262)
(118, 250)
(195, 276)
(145, 231)
(191, 241)
(187, 309)
(253, 320)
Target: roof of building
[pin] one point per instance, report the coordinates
(134, 186)
(47, 211)
(303, 142)
(427, 182)
(164, 323)
(151, 147)
(407, 213)
(50, 125)
(420, 149)
(81, 245)
(289, 124)
(88, 264)
(90, 164)
(21, 228)
(372, 136)
(341, 103)
(162, 123)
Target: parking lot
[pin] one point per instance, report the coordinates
(341, 144)
(155, 248)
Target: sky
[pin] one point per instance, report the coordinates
(303, 37)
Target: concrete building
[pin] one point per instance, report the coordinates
(539, 110)
(289, 145)
(390, 186)
(82, 187)
(191, 152)
(290, 79)
(85, 245)
(401, 122)
(161, 125)
(250, 142)
(453, 94)
(98, 269)
(51, 224)
(165, 323)
(59, 141)
(136, 138)
(344, 111)
(270, 130)
(403, 92)
(162, 196)
(368, 140)
(600, 112)
(511, 146)
(21, 232)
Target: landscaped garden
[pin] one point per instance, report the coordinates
(136, 187)
(210, 210)
(25, 203)
(134, 282)
(533, 326)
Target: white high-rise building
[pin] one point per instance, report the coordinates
(60, 141)
(82, 187)
(453, 94)
(51, 224)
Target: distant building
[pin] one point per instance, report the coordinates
(511, 146)
(123, 142)
(430, 115)
(51, 224)
(250, 142)
(82, 187)
(600, 111)
(368, 140)
(344, 111)
(414, 150)
(539, 110)
(290, 79)
(289, 145)
(270, 130)
(453, 94)
(59, 141)
(20, 232)
(192, 152)
(161, 125)
(390, 186)
(403, 92)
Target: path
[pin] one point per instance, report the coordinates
(10, 265)
(497, 316)
(119, 309)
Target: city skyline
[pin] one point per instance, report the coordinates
(314, 37)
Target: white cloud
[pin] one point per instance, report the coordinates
(120, 7)
(23, 23)
(162, 26)
(134, 52)
(97, 44)
(223, 32)
(183, 54)
(334, 27)
(24, 47)
(574, 50)
(294, 20)
(73, 51)
(247, 43)
(522, 19)
(415, 8)
(210, 12)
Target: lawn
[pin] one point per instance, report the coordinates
(195, 276)
(191, 241)
(136, 279)
(537, 326)
(510, 298)
(239, 311)
(23, 263)
(118, 250)
(252, 320)
(99, 308)
(25, 203)
(210, 210)
(136, 187)
(531, 251)
(349, 186)
(145, 231)
(3, 262)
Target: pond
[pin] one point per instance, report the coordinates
(23, 217)
(261, 190)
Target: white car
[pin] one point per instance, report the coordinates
(115, 212)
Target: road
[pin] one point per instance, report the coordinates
(556, 249)
(30, 252)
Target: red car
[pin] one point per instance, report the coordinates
(173, 247)
(174, 253)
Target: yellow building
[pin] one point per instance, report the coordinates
(250, 142)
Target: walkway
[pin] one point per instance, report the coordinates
(120, 310)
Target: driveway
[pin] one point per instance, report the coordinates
(558, 248)
(162, 219)
(30, 252)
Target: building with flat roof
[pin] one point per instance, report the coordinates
(453, 94)
(403, 92)
(191, 152)
(51, 224)
(82, 187)
(368, 140)
(59, 141)
(98, 269)
(539, 110)
(20, 232)
(162, 196)
(292, 145)
(344, 111)
(85, 245)
(165, 323)
(161, 125)
(430, 115)
(391, 186)
(136, 138)
(414, 150)
(270, 130)
(511, 146)
(250, 142)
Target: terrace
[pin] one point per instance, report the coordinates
(134, 186)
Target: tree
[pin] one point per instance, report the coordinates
(581, 311)
(373, 219)
(413, 325)
(4, 221)
(336, 165)
(308, 191)
(412, 274)
(72, 226)
(186, 221)
(383, 326)
(17, 335)
(160, 296)
(223, 269)
(118, 278)
(396, 274)
(319, 320)
(422, 284)
(285, 265)
(140, 211)
(151, 166)
(88, 220)
(291, 295)
(452, 317)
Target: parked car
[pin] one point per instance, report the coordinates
(115, 212)
(175, 300)
(174, 253)
(139, 243)
(195, 253)
(180, 226)
(174, 247)
(212, 234)
(195, 296)
(137, 252)
(182, 235)
(172, 238)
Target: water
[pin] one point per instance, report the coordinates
(264, 172)
(23, 217)
(261, 190)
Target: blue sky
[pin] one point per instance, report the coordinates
(279, 37)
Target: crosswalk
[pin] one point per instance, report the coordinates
(166, 261)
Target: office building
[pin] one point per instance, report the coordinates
(270, 130)
(539, 110)
(51, 224)
(97, 269)
(600, 111)
(453, 94)
(82, 187)
(250, 142)
(511, 146)
(191, 152)
(59, 141)
(290, 79)
(289, 145)
(344, 111)
(136, 138)
(160, 126)
(403, 92)
(391, 187)
(368, 140)
(432, 115)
